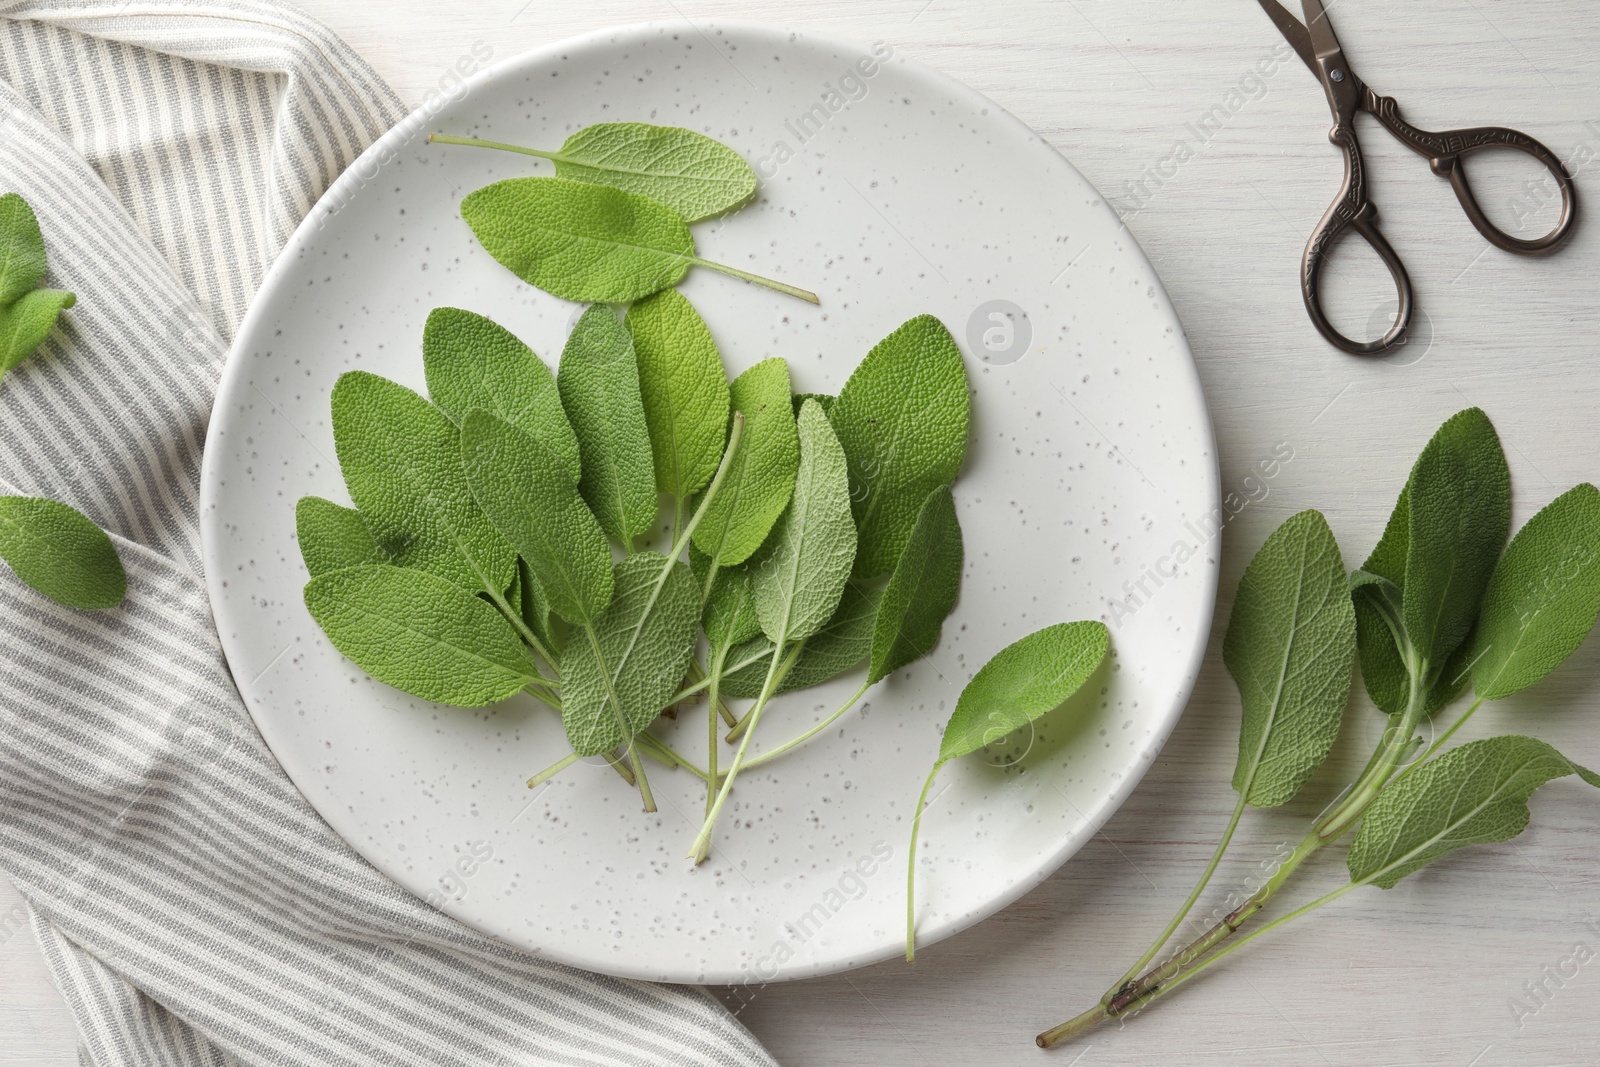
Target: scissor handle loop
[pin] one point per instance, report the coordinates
(1352, 211)
(1445, 151)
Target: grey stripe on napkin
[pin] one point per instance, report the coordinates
(191, 905)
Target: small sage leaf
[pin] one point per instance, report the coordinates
(473, 362)
(684, 389)
(56, 550)
(599, 383)
(639, 650)
(1475, 794)
(590, 243)
(840, 645)
(922, 588)
(524, 489)
(420, 633)
(689, 172)
(27, 313)
(332, 536)
(1543, 599)
(1290, 646)
(729, 617)
(799, 581)
(25, 324)
(902, 421)
(758, 485)
(401, 458)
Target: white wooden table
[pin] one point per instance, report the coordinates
(1426, 973)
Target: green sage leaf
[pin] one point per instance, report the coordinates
(332, 536)
(473, 362)
(25, 324)
(689, 172)
(420, 633)
(1543, 599)
(27, 313)
(1021, 683)
(1460, 513)
(799, 581)
(1290, 646)
(525, 490)
(823, 399)
(922, 588)
(401, 458)
(684, 389)
(640, 652)
(590, 243)
(760, 480)
(1475, 794)
(533, 604)
(729, 617)
(599, 383)
(902, 421)
(57, 551)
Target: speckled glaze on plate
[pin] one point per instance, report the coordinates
(891, 191)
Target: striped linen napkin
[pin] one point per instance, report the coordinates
(190, 904)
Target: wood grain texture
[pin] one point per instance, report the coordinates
(1422, 974)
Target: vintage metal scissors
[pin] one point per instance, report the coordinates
(1319, 48)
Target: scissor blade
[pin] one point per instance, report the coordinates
(1292, 31)
(1320, 30)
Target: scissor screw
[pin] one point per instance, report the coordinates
(1336, 74)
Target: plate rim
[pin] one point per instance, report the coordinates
(350, 182)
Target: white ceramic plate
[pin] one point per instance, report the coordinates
(893, 193)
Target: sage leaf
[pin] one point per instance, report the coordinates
(598, 379)
(25, 324)
(689, 172)
(684, 389)
(823, 399)
(657, 645)
(1543, 598)
(57, 551)
(420, 633)
(589, 243)
(799, 581)
(922, 589)
(524, 489)
(533, 604)
(1460, 514)
(1472, 795)
(758, 485)
(902, 421)
(401, 458)
(729, 616)
(1378, 614)
(843, 643)
(332, 536)
(27, 313)
(1291, 647)
(473, 362)
(1021, 683)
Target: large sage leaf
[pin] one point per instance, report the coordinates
(60, 553)
(1475, 794)
(401, 458)
(799, 581)
(1290, 646)
(922, 588)
(525, 490)
(1460, 513)
(332, 536)
(684, 389)
(689, 172)
(590, 243)
(902, 421)
(639, 652)
(1543, 599)
(473, 362)
(599, 383)
(760, 479)
(420, 633)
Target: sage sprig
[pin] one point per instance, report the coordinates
(1442, 602)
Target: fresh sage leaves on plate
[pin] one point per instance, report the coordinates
(612, 226)
(54, 548)
(1443, 603)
